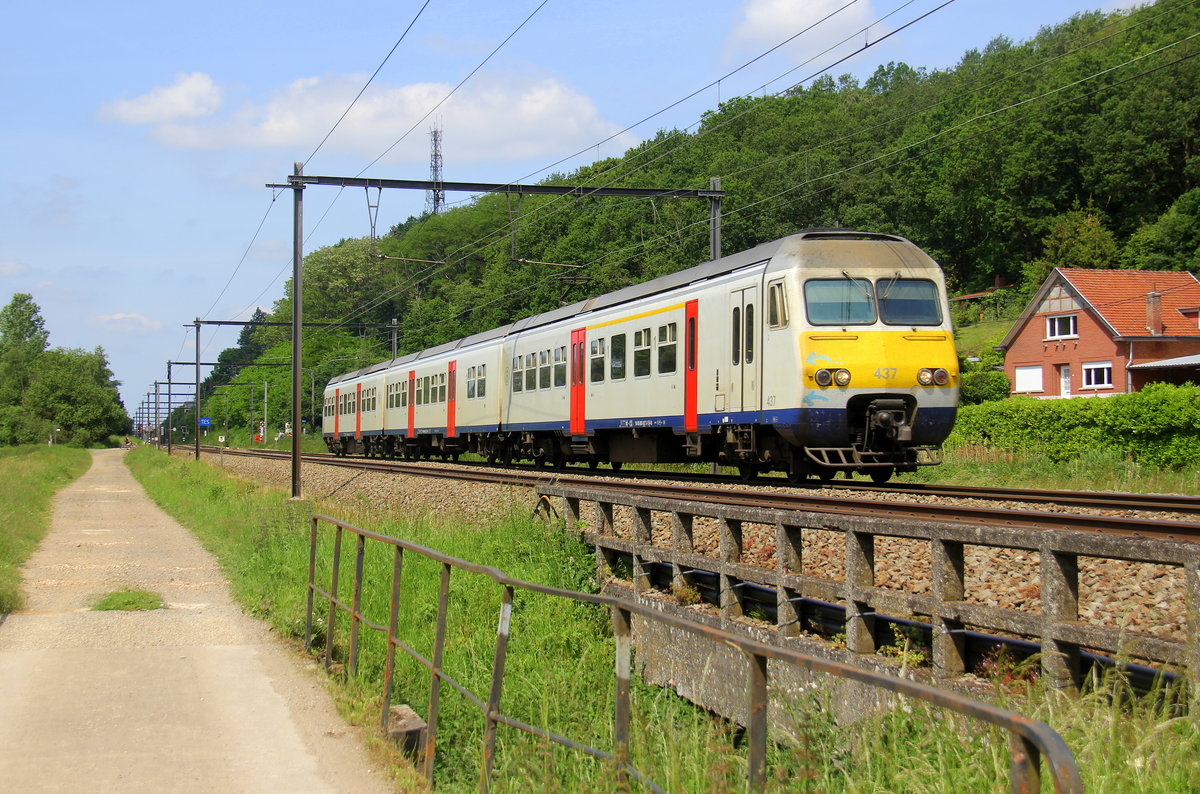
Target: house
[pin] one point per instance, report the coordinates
(1101, 332)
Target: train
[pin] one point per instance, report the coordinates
(823, 351)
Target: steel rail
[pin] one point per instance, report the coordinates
(1139, 527)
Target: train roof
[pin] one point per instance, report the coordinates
(681, 278)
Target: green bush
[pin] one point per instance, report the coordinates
(1159, 426)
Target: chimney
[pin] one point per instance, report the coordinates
(1154, 320)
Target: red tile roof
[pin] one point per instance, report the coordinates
(1120, 297)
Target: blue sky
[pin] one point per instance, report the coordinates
(137, 137)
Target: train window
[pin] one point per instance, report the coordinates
(641, 352)
(543, 369)
(420, 392)
(530, 372)
(691, 344)
(518, 376)
(481, 382)
(737, 335)
(442, 387)
(403, 395)
(666, 348)
(749, 333)
(597, 360)
(470, 383)
(839, 301)
(616, 348)
(560, 366)
(777, 313)
(909, 301)
(430, 391)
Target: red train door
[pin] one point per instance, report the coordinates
(578, 381)
(691, 423)
(450, 378)
(358, 411)
(412, 403)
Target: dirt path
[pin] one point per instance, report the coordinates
(193, 698)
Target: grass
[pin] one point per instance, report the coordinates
(29, 477)
(128, 600)
(559, 669)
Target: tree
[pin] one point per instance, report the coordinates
(1170, 243)
(73, 390)
(1077, 239)
(23, 337)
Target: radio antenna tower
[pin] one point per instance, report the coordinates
(435, 199)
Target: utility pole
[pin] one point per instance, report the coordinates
(297, 324)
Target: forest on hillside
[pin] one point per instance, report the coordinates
(1079, 148)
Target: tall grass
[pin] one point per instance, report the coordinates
(29, 476)
(559, 668)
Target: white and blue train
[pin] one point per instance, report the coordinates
(822, 351)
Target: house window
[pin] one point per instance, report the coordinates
(1061, 327)
(1027, 379)
(1097, 375)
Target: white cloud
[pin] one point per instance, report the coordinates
(501, 117)
(124, 322)
(765, 23)
(9, 268)
(191, 96)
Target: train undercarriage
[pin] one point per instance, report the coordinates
(751, 449)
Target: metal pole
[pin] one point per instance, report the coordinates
(393, 337)
(297, 318)
(197, 428)
(714, 219)
(263, 435)
(157, 434)
(169, 404)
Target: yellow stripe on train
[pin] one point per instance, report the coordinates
(878, 359)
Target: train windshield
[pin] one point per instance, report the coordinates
(909, 301)
(839, 301)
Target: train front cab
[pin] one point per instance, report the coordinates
(878, 375)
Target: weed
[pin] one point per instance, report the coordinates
(128, 600)
(685, 593)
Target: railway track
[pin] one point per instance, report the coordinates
(1014, 508)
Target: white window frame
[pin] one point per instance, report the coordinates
(1073, 321)
(1091, 367)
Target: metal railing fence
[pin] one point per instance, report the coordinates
(1029, 740)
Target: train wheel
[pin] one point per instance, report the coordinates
(593, 464)
(881, 474)
(825, 474)
(616, 465)
(746, 471)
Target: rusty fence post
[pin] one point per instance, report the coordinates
(333, 594)
(435, 680)
(356, 603)
(729, 545)
(756, 723)
(949, 585)
(312, 583)
(1191, 590)
(623, 651)
(1025, 765)
(493, 706)
(389, 665)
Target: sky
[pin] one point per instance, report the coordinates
(137, 138)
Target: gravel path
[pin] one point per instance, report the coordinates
(197, 697)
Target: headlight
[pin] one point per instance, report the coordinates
(925, 377)
(823, 377)
(941, 377)
(842, 377)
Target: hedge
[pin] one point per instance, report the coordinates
(1158, 426)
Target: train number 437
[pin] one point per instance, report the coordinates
(885, 373)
